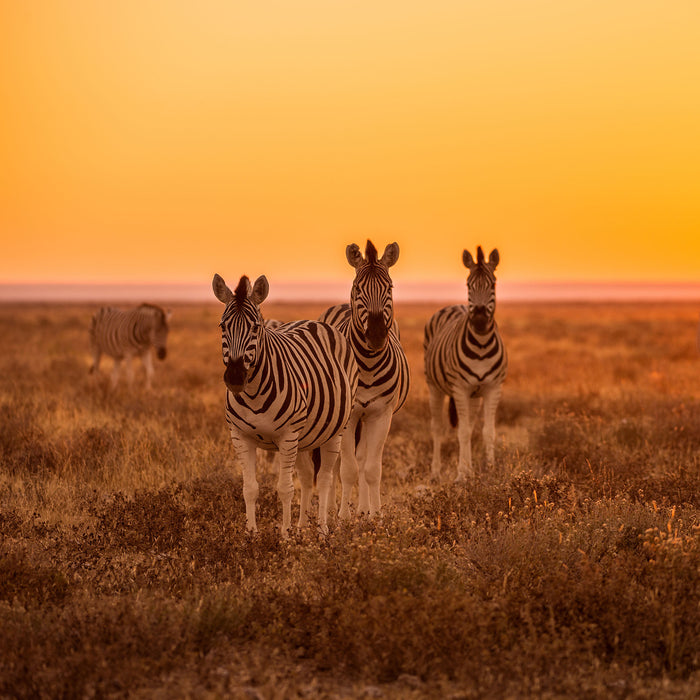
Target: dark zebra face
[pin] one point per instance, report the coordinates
(241, 326)
(158, 327)
(371, 299)
(481, 286)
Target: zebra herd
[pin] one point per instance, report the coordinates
(322, 393)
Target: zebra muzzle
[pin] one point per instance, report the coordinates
(376, 332)
(235, 375)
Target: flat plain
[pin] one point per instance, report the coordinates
(570, 569)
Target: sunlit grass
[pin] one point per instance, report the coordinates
(570, 568)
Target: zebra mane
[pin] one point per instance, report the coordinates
(371, 253)
(241, 293)
(479, 255)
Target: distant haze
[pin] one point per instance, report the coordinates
(333, 292)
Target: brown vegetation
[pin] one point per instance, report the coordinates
(573, 568)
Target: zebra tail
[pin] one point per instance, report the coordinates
(316, 459)
(452, 412)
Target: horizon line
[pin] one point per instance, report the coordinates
(333, 291)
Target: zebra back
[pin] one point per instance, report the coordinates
(121, 334)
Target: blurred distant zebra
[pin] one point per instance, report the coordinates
(466, 360)
(289, 389)
(125, 334)
(368, 323)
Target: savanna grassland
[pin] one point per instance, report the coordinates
(571, 569)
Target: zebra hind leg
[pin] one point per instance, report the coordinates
(116, 369)
(349, 469)
(285, 482)
(437, 428)
(325, 479)
(463, 403)
(305, 472)
(491, 399)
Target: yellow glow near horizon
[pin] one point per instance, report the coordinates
(164, 141)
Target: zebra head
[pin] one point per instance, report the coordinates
(371, 299)
(481, 286)
(156, 327)
(241, 324)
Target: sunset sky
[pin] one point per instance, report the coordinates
(164, 141)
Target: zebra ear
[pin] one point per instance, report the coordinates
(468, 260)
(221, 291)
(494, 258)
(261, 289)
(391, 254)
(353, 254)
(168, 315)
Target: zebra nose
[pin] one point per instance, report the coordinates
(162, 352)
(376, 332)
(235, 375)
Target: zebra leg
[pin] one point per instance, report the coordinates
(464, 434)
(348, 467)
(129, 364)
(326, 479)
(115, 372)
(437, 427)
(245, 451)
(374, 436)
(147, 359)
(285, 482)
(361, 457)
(305, 472)
(491, 399)
(96, 355)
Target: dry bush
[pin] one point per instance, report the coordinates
(570, 568)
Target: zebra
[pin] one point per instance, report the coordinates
(369, 325)
(289, 389)
(125, 334)
(465, 359)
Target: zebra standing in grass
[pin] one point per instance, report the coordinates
(289, 389)
(466, 360)
(125, 334)
(368, 323)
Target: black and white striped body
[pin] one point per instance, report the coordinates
(465, 360)
(368, 323)
(124, 335)
(289, 389)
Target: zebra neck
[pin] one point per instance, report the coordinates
(480, 340)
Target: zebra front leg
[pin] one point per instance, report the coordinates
(326, 479)
(245, 451)
(464, 434)
(116, 369)
(374, 436)
(491, 398)
(147, 359)
(437, 428)
(348, 467)
(305, 472)
(285, 484)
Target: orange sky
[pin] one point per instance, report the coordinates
(165, 141)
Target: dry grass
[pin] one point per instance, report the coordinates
(573, 569)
